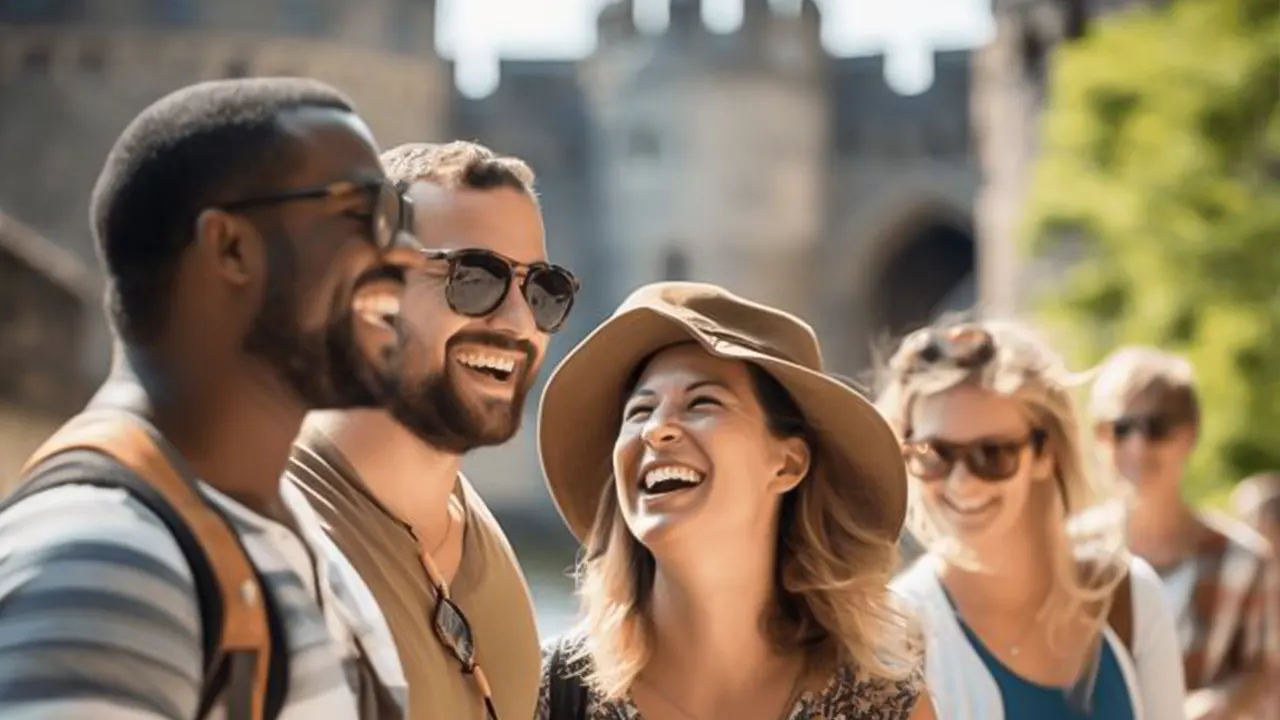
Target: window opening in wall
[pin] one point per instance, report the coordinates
(1076, 19)
(1033, 52)
(675, 264)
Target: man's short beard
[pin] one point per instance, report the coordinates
(432, 408)
(325, 368)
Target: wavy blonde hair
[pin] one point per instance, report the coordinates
(1087, 513)
(831, 578)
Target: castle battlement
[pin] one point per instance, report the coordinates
(760, 24)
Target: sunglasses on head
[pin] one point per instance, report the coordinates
(989, 459)
(479, 280)
(962, 346)
(1152, 427)
(390, 210)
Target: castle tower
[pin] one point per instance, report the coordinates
(710, 148)
(1009, 86)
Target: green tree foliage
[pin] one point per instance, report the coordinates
(1161, 155)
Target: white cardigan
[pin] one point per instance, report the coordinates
(963, 689)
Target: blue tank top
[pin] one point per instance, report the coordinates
(1025, 699)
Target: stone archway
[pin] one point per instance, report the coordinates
(929, 270)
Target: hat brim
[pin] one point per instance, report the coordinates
(581, 411)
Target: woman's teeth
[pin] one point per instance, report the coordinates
(970, 507)
(669, 478)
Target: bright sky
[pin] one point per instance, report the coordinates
(477, 32)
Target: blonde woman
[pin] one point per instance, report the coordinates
(1032, 606)
(739, 510)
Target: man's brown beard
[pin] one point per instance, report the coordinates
(432, 407)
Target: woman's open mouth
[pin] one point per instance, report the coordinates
(670, 478)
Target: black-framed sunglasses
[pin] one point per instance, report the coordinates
(1156, 428)
(390, 210)
(479, 280)
(989, 459)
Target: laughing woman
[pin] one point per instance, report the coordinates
(739, 510)
(1032, 606)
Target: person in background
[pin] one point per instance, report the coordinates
(1032, 606)
(1256, 501)
(739, 509)
(1220, 577)
(387, 485)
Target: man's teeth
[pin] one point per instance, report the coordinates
(672, 474)
(385, 306)
(487, 362)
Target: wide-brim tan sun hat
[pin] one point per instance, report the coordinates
(581, 409)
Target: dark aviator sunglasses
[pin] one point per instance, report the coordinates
(1155, 428)
(478, 281)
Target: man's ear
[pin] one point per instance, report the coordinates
(792, 467)
(231, 247)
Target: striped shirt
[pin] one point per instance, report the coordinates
(99, 616)
(1227, 600)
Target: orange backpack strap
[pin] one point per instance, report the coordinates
(1120, 617)
(242, 655)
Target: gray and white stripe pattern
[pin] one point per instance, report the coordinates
(99, 619)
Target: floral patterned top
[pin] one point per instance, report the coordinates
(845, 697)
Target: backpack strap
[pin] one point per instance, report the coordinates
(241, 660)
(1120, 617)
(566, 693)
